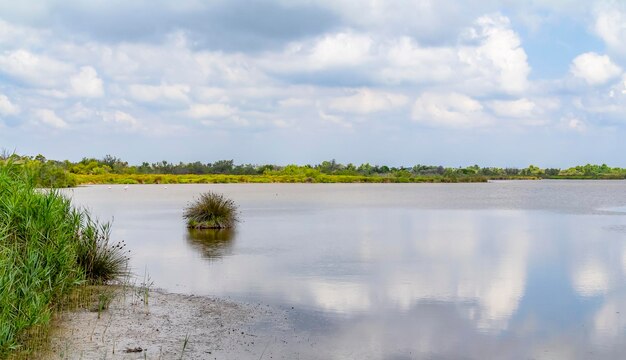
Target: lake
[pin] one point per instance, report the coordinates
(506, 269)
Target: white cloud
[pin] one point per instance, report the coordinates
(87, 83)
(7, 107)
(385, 64)
(50, 118)
(81, 113)
(334, 119)
(572, 123)
(160, 93)
(367, 101)
(521, 108)
(488, 57)
(200, 111)
(526, 112)
(406, 61)
(595, 69)
(12, 35)
(341, 49)
(122, 121)
(295, 102)
(451, 110)
(499, 59)
(38, 70)
(52, 93)
(610, 25)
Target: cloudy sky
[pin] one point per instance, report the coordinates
(497, 83)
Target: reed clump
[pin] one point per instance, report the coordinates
(211, 211)
(47, 249)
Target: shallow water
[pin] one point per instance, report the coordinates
(511, 269)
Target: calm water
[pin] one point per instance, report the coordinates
(533, 269)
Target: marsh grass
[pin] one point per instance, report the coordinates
(211, 211)
(101, 260)
(47, 250)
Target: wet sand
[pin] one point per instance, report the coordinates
(214, 329)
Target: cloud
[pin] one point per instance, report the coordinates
(499, 58)
(87, 83)
(610, 26)
(19, 36)
(122, 121)
(160, 94)
(573, 124)
(7, 108)
(367, 101)
(521, 108)
(306, 66)
(341, 49)
(594, 69)
(234, 25)
(407, 61)
(293, 102)
(33, 69)
(49, 117)
(487, 58)
(201, 111)
(451, 110)
(334, 119)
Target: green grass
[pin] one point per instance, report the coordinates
(211, 211)
(47, 248)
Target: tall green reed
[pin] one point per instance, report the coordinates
(47, 248)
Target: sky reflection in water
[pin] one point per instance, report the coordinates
(506, 269)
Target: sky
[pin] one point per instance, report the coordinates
(445, 82)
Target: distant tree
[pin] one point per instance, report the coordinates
(222, 167)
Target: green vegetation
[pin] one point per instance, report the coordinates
(211, 211)
(47, 249)
(112, 170)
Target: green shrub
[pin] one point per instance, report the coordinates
(211, 211)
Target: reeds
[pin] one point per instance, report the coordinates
(47, 248)
(211, 211)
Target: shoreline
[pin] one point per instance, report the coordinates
(170, 326)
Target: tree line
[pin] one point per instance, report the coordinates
(59, 173)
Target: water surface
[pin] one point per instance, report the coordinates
(511, 269)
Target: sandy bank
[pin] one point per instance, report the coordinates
(214, 329)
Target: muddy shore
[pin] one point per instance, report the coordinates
(175, 326)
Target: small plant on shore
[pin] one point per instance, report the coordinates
(211, 211)
(101, 260)
(185, 343)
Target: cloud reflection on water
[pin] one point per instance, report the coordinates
(441, 280)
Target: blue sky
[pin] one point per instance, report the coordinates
(496, 83)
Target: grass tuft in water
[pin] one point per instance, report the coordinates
(211, 211)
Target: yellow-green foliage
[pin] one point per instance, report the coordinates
(265, 178)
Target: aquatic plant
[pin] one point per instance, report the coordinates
(47, 248)
(100, 260)
(211, 211)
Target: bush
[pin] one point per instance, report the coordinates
(211, 211)
(100, 260)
